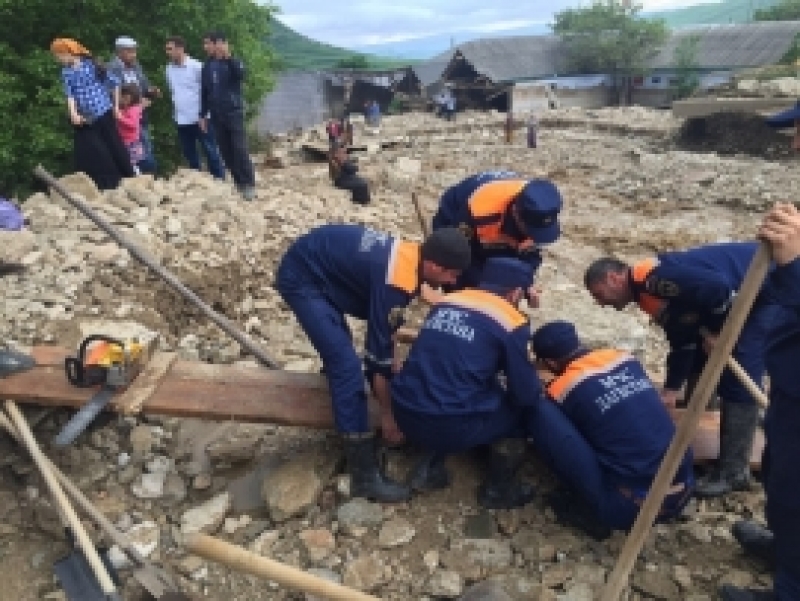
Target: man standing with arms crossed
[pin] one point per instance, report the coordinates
(184, 77)
(221, 97)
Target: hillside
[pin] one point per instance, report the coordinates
(727, 11)
(300, 52)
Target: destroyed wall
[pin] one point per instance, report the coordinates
(299, 100)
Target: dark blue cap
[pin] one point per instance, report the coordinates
(555, 340)
(539, 204)
(501, 274)
(785, 118)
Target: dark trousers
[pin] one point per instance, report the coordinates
(330, 335)
(781, 472)
(100, 152)
(190, 136)
(458, 433)
(148, 163)
(232, 140)
(575, 463)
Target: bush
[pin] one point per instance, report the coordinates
(35, 125)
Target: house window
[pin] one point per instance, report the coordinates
(638, 80)
(655, 80)
(674, 81)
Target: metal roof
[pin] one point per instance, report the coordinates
(733, 46)
(531, 57)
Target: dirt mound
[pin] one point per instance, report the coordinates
(734, 133)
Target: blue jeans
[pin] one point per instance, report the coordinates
(575, 462)
(189, 136)
(148, 164)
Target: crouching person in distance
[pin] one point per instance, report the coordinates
(337, 270)
(447, 398)
(604, 432)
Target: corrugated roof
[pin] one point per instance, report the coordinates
(733, 46)
(719, 47)
(516, 57)
(430, 71)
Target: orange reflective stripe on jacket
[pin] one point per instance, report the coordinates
(652, 305)
(488, 205)
(592, 364)
(403, 269)
(491, 305)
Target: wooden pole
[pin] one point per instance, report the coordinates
(747, 382)
(709, 379)
(64, 507)
(244, 561)
(423, 223)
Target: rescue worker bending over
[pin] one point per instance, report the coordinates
(781, 462)
(447, 397)
(338, 270)
(687, 293)
(603, 431)
(503, 215)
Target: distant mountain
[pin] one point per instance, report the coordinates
(715, 13)
(297, 51)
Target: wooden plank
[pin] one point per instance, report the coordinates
(131, 400)
(248, 394)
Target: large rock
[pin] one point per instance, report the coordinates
(296, 485)
(365, 573)
(359, 513)
(208, 517)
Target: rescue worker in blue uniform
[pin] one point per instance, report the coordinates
(689, 293)
(604, 431)
(338, 270)
(781, 461)
(504, 215)
(447, 398)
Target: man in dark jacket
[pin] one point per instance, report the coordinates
(221, 97)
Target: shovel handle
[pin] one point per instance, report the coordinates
(84, 542)
(244, 561)
(746, 381)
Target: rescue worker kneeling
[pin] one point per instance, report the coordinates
(603, 431)
(447, 397)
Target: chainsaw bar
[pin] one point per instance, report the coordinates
(85, 415)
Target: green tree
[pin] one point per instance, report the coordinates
(608, 37)
(787, 10)
(685, 63)
(357, 61)
(35, 125)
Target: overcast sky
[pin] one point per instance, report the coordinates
(356, 23)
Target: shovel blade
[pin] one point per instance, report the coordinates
(77, 579)
(155, 581)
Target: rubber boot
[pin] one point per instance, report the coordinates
(755, 540)
(501, 489)
(573, 511)
(430, 473)
(12, 362)
(733, 593)
(366, 478)
(737, 429)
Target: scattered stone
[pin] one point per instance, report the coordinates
(208, 517)
(262, 545)
(143, 537)
(295, 486)
(359, 513)
(365, 573)
(318, 543)
(488, 590)
(656, 585)
(395, 533)
(445, 583)
(480, 525)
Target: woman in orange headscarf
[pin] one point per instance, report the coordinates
(99, 151)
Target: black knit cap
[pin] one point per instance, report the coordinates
(448, 248)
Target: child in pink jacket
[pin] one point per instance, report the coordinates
(129, 122)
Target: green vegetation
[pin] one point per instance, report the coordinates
(685, 62)
(35, 125)
(609, 38)
(297, 52)
(787, 10)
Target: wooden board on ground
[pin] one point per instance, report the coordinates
(239, 393)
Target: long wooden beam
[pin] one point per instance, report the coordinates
(246, 394)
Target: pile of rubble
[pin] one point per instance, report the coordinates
(276, 490)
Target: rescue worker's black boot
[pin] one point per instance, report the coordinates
(366, 478)
(12, 362)
(501, 489)
(733, 593)
(430, 473)
(755, 540)
(572, 510)
(737, 428)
